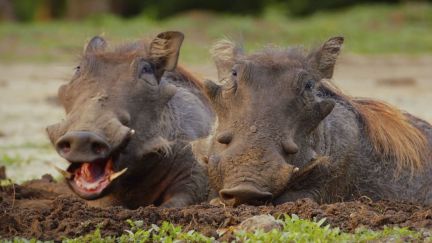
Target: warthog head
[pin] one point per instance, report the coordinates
(268, 106)
(113, 107)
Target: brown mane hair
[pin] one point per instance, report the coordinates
(190, 77)
(390, 131)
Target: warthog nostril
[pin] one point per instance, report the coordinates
(64, 147)
(99, 148)
(245, 194)
(226, 195)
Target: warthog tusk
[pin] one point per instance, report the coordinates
(117, 174)
(315, 161)
(131, 132)
(64, 173)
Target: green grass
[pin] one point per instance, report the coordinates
(6, 182)
(374, 29)
(11, 154)
(13, 158)
(27, 145)
(294, 230)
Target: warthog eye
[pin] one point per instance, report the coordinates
(77, 71)
(234, 73)
(146, 68)
(310, 84)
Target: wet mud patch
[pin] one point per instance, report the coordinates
(47, 210)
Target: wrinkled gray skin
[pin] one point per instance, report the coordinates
(136, 86)
(274, 115)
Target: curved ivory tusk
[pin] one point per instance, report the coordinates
(117, 174)
(315, 161)
(131, 132)
(64, 173)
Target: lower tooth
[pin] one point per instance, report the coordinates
(91, 186)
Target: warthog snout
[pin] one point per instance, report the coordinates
(79, 146)
(245, 194)
(248, 174)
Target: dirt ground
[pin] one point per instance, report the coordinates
(43, 209)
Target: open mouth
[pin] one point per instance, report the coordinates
(91, 179)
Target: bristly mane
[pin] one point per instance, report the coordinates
(133, 50)
(187, 75)
(390, 131)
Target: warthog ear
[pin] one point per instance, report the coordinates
(225, 53)
(317, 113)
(321, 110)
(165, 49)
(97, 43)
(324, 59)
(211, 89)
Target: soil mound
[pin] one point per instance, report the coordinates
(47, 210)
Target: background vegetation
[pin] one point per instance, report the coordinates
(28, 10)
(368, 29)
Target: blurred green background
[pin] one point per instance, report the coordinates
(55, 30)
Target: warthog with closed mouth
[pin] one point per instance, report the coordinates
(285, 132)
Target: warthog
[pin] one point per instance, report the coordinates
(131, 115)
(286, 132)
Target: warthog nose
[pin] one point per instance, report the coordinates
(80, 146)
(245, 194)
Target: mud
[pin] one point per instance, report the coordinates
(47, 210)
